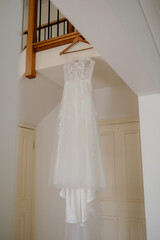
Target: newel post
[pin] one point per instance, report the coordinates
(31, 38)
(70, 28)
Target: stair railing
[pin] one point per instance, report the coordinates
(42, 36)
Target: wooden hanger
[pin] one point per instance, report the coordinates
(77, 39)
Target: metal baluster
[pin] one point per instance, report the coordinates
(67, 26)
(48, 17)
(45, 33)
(57, 22)
(40, 13)
(51, 31)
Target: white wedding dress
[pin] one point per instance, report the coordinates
(78, 168)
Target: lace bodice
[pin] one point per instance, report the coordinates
(80, 70)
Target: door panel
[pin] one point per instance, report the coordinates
(109, 151)
(25, 185)
(110, 228)
(123, 203)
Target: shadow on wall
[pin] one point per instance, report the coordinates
(37, 97)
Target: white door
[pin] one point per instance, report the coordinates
(25, 185)
(123, 203)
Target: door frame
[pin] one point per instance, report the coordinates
(34, 129)
(118, 121)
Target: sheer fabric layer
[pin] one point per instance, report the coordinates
(91, 229)
(76, 204)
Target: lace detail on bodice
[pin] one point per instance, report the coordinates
(80, 70)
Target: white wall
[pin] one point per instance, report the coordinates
(113, 102)
(37, 98)
(116, 102)
(149, 110)
(49, 206)
(10, 21)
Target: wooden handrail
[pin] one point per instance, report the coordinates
(33, 46)
(55, 42)
(51, 24)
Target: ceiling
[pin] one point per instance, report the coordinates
(103, 75)
(125, 33)
(151, 12)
